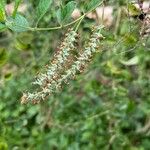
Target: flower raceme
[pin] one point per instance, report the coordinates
(59, 60)
(55, 76)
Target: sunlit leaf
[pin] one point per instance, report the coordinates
(113, 68)
(130, 39)
(3, 56)
(2, 26)
(131, 62)
(8, 76)
(2, 11)
(19, 45)
(133, 10)
(3, 145)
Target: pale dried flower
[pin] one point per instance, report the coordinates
(76, 14)
(10, 7)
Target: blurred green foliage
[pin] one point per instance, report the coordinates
(107, 107)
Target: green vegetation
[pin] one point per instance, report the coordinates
(106, 107)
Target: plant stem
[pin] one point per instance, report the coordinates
(17, 3)
(57, 27)
(62, 26)
(79, 23)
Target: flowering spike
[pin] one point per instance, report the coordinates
(55, 80)
(59, 60)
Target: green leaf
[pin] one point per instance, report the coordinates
(3, 56)
(2, 129)
(17, 24)
(64, 13)
(59, 15)
(2, 12)
(19, 45)
(3, 145)
(23, 41)
(17, 3)
(92, 5)
(2, 26)
(42, 8)
(130, 62)
(8, 76)
(133, 10)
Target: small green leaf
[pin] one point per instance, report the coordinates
(3, 145)
(8, 76)
(2, 26)
(2, 12)
(64, 13)
(19, 45)
(17, 24)
(133, 10)
(59, 15)
(92, 5)
(3, 56)
(130, 39)
(2, 129)
(42, 8)
(131, 62)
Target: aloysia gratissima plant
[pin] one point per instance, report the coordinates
(62, 67)
(55, 75)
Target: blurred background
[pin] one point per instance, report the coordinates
(107, 107)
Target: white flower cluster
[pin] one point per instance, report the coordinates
(59, 60)
(53, 85)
